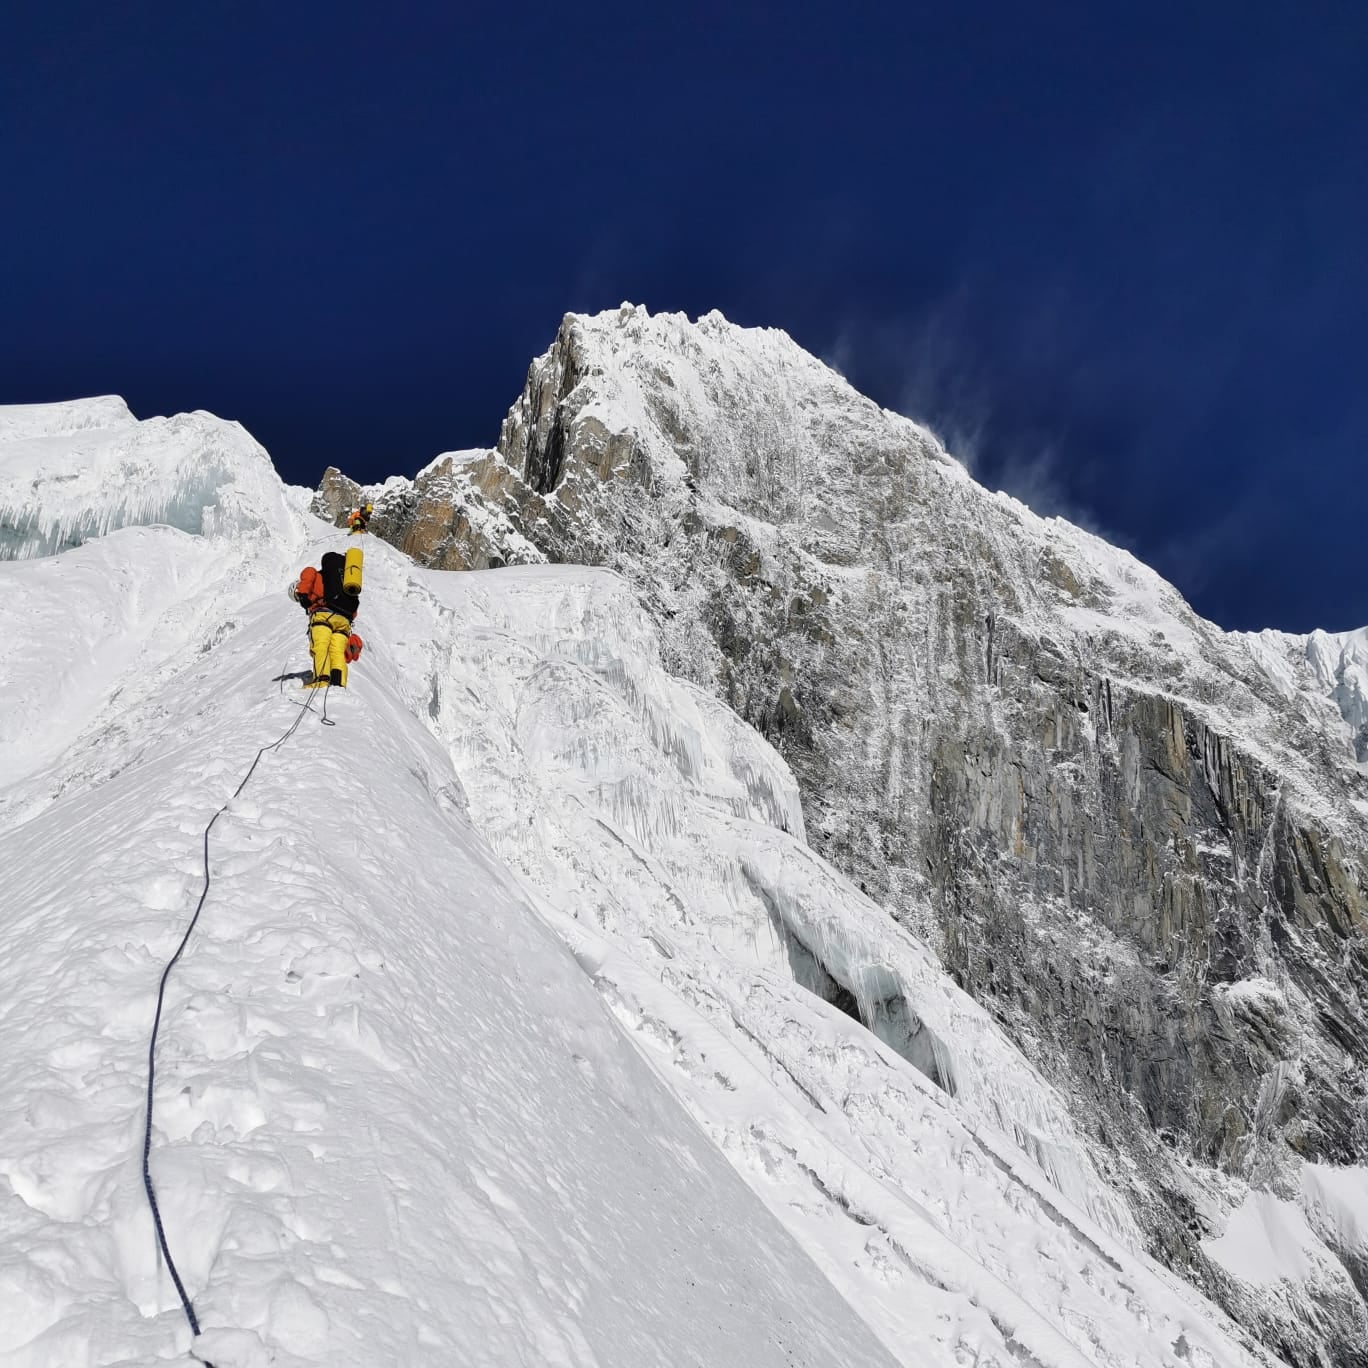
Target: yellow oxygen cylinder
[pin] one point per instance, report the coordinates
(351, 571)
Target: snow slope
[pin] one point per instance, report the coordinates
(394, 1123)
(521, 1026)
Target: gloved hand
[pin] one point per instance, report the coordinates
(354, 644)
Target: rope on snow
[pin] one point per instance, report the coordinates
(156, 1023)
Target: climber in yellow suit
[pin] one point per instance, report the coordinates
(331, 596)
(360, 517)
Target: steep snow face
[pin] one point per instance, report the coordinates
(521, 1026)
(1101, 811)
(79, 470)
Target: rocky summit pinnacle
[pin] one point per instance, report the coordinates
(1139, 841)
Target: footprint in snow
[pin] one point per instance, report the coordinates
(233, 1349)
(323, 970)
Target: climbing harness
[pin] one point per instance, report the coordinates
(156, 1022)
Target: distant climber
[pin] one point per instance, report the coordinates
(331, 596)
(360, 517)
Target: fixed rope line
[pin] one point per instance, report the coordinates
(156, 1026)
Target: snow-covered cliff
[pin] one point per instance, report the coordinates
(1138, 841)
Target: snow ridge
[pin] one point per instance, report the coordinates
(394, 1124)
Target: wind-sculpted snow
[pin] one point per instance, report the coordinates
(104, 412)
(1307, 670)
(1341, 665)
(73, 472)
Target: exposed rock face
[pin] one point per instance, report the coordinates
(335, 497)
(1135, 840)
(464, 511)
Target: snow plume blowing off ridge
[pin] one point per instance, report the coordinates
(520, 1026)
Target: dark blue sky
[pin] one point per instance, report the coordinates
(1116, 254)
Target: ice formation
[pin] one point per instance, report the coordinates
(78, 470)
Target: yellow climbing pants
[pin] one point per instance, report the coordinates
(328, 633)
